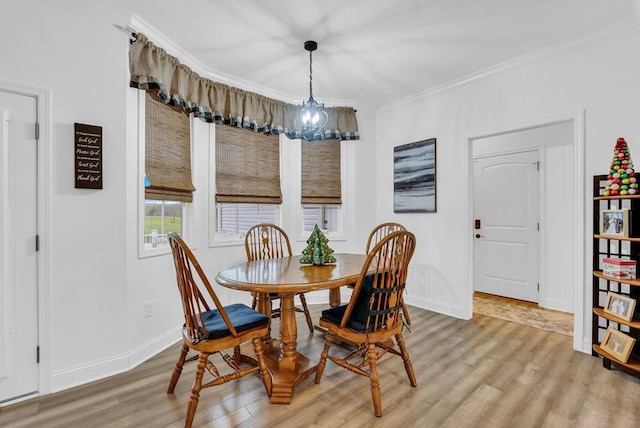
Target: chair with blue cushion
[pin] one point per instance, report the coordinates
(211, 329)
(268, 241)
(371, 320)
(379, 232)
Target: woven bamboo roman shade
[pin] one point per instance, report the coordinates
(321, 183)
(247, 166)
(167, 152)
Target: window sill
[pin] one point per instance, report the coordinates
(338, 238)
(227, 243)
(148, 251)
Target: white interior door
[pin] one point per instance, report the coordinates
(506, 225)
(18, 258)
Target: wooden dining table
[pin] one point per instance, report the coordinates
(286, 276)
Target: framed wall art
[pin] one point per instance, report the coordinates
(414, 177)
(88, 156)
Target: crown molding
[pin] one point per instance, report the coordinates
(160, 40)
(600, 35)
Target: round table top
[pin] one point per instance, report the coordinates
(287, 275)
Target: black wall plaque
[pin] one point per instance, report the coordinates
(88, 156)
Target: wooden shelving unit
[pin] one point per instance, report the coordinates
(634, 282)
(632, 365)
(627, 248)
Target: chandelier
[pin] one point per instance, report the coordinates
(312, 119)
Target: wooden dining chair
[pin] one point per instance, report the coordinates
(371, 319)
(379, 232)
(210, 331)
(267, 241)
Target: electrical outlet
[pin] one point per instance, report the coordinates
(148, 308)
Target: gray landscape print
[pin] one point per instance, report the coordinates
(414, 177)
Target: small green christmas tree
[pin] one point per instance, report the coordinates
(318, 251)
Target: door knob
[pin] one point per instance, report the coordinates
(478, 236)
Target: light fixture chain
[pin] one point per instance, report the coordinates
(310, 73)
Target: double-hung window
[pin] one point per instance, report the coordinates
(168, 184)
(247, 181)
(321, 187)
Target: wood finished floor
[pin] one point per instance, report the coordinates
(484, 372)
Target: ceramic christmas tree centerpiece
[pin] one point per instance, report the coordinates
(621, 178)
(318, 251)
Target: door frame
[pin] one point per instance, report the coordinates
(580, 342)
(43, 99)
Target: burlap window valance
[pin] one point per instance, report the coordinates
(321, 183)
(247, 166)
(167, 152)
(153, 69)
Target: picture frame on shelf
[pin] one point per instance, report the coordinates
(617, 344)
(619, 306)
(615, 223)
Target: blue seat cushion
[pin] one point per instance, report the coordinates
(334, 315)
(358, 318)
(242, 317)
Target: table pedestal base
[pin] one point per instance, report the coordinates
(284, 381)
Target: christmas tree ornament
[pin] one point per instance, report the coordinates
(318, 251)
(621, 179)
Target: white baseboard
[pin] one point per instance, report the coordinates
(96, 370)
(455, 311)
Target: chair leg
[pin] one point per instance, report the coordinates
(307, 315)
(405, 313)
(373, 376)
(237, 355)
(178, 369)
(407, 361)
(323, 356)
(195, 390)
(264, 371)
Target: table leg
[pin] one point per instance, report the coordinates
(263, 305)
(288, 359)
(334, 297)
(287, 366)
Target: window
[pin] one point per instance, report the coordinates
(160, 219)
(327, 217)
(321, 188)
(233, 220)
(247, 181)
(167, 166)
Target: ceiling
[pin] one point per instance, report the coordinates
(369, 51)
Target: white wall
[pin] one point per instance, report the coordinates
(599, 76)
(84, 67)
(95, 285)
(553, 143)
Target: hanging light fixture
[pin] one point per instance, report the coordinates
(312, 118)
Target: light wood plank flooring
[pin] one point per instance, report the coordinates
(484, 372)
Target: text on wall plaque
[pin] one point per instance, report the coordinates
(88, 149)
